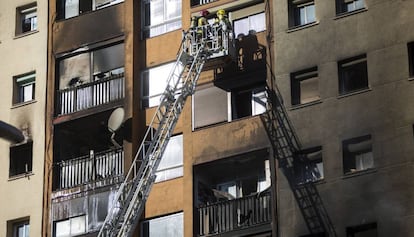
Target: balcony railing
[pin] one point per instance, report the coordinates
(200, 2)
(90, 95)
(232, 215)
(106, 165)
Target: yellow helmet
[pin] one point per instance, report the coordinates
(221, 12)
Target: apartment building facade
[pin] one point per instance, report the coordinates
(344, 80)
(23, 49)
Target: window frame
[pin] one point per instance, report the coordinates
(13, 226)
(166, 23)
(410, 51)
(145, 231)
(15, 170)
(295, 7)
(296, 87)
(178, 166)
(351, 65)
(350, 157)
(352, 230)
(342, 5)
(249, 23)
(22, 14)
(20, 83)
(70, 219)
(61, 7)
(314, 158)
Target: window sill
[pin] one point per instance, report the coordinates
(346, 14)
(300, 27)
(411, 78)
(18, 105)
(315, 182)
(20, 176)
(354, 93)
(300, 106)
(359, 173)
(21, 35)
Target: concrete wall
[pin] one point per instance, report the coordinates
(22, 197)
(383, 195)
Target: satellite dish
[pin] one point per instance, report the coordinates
(116, 119)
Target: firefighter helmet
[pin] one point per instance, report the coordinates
(221, 12)
(204, 13)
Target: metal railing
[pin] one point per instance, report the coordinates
(90, 95)
(86, 169)
(236, 214)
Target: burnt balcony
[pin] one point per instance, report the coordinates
(90, 95)
(101, 168)
(237, 217)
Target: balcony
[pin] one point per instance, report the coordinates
(237, 217)
(104, 168)
(89, 95)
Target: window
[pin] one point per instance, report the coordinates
(21, 159)
(212, 105)
(171, 164)
(71, 8)
(304, 86)
(24, 88)
(410, 47)
(312, 170)
(155, 81)
(171, 225)
(19, 227)
(367, 230)
(200, 2)
(26, 18)
(301, 12)
(357, 154)
(353, 74)
(161, 16)
(344, 6)
(254, 22)
(70, 227)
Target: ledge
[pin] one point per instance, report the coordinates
(300, 106)
(20, 176)
(300, 27)
(354, 93)
(23, 104)
(359, 173)
(411, 79)
(21, 35)
(346, 14)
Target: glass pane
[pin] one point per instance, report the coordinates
(258, 22)
(310, 13)
(210, 106)
(74, 71)
(302, 15)
(77, 225)
(71, 8)
(364, 161)
(109, 58)
(62, 228)
(173, 154)
(172, 226)
(173, 8)
(28, 93)
(156, 81)
(319, 166)
(359, 4)
(157, 12)
(309, 90)
(258, 103)
(241, 27)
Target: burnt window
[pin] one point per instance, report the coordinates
(311, 169)
(26, 18)
(71, 8)
(353, 74)
(301, 12)
(410, 47)
(305, 86)
(357, 154)
(366, 230)
(344, 6)
(19, 227)
(21, 159)
(248, 102)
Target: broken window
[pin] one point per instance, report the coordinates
(209, 106)
(410, 47)
(312, 168)
(301, 12)
(249, 102)
(24, 88)
(155, 82)
(366, 230)
(19, 227)
(357, 154)
(353, 74)
(305, 86)
(161, 16)
(71, 8)
(171, 225)
(171, 164)
(70, 227)
(26, 18)
(255, 22)
(21, 159)
(344, 6)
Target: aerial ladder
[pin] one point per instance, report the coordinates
(287, 150)
(198, 45)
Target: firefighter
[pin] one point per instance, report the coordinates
(223, 20)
